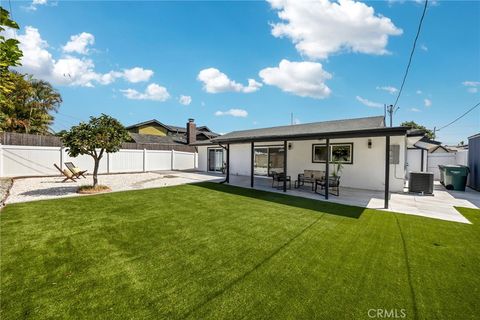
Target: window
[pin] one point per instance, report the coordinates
(215, 159)
(341, 152)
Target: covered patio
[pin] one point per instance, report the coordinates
(372, 162)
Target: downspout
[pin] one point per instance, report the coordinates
(228, 151)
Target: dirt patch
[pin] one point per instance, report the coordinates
(92, 190)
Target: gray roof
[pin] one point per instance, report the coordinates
(175, 129)
(324, 127)
(150, 138)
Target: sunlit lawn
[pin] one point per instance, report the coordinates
(210, 251)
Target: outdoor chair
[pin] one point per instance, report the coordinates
(333, 185)
(278, 178)
(75, 170)
(67, 173)
(309, 176)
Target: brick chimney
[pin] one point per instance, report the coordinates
(191, 131)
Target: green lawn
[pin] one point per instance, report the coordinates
(211, 251)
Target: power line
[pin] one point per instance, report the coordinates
(411, 55)
(463, 115)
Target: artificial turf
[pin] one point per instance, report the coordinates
(210, 251)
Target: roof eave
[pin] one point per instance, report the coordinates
(377, 132)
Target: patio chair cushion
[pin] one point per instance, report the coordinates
(318, 175)
(75, 170)
(68, 173)
(312, 175)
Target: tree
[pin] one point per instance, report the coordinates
(101, 134)
(10, 54)
(28, 108)
(413, 125)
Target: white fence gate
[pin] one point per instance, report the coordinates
(17, 161)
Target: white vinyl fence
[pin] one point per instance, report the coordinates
(435, 159)
(17, 161)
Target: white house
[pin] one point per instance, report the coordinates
(362, 145)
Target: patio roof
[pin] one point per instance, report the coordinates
(360, 127)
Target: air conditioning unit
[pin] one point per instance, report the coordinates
(421, 182)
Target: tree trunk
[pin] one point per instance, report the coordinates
(95, 172)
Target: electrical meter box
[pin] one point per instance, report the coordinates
(394, 154)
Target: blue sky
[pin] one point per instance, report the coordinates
(134, 61)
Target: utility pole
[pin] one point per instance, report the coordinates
(291, 118)
(390, 111)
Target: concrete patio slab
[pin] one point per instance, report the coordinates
(441, 205)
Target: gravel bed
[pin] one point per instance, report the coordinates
(32, 189)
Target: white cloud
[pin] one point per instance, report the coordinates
(215, 81)
(472, 86)
(185, 100)
(304, 79)
(137, 74)
(67, 70)
(389, 89)
(252, 86)
(79, 43)
(419, 91)
(320, 28)
(233, 112)
(415, 110)
(35, 3)
(423, 47)
(427, 102)
(152, 92)
(369, 103)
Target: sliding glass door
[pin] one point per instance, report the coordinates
(215, 159)
(268, 159)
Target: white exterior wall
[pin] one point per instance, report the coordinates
(17, 161)
(366, 172)
(414, 160)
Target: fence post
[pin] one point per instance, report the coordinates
(173, 160)
(1, 160)
(108, 162)
(61, 158)
(144, 159)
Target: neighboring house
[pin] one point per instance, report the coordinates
(363, 145)
(438, 149)
(474, 161)
(153, 131)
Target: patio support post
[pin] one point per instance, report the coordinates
(252, 164)
(421, 161)
(227, 178)
(327, 169)
(285, 166)
(387, 170)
